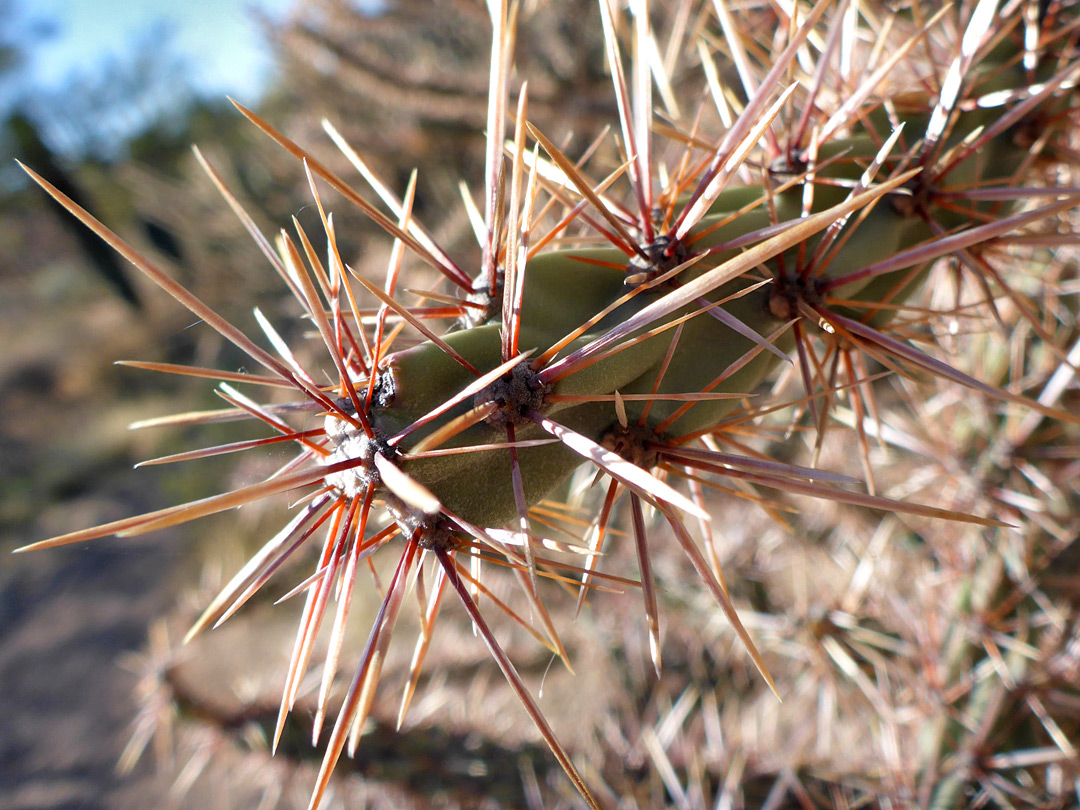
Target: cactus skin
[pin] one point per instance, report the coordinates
(543, 416)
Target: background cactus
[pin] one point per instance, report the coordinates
(803, 223)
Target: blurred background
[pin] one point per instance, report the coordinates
(104, 100)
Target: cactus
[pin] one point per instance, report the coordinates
(787, 241)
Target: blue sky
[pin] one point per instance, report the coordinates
(80, 56)
(218, 38)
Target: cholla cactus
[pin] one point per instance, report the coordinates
(776, 219)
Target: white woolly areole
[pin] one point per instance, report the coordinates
(349, 443)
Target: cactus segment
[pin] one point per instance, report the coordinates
(635, 356)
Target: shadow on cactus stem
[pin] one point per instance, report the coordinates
(628, 314)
